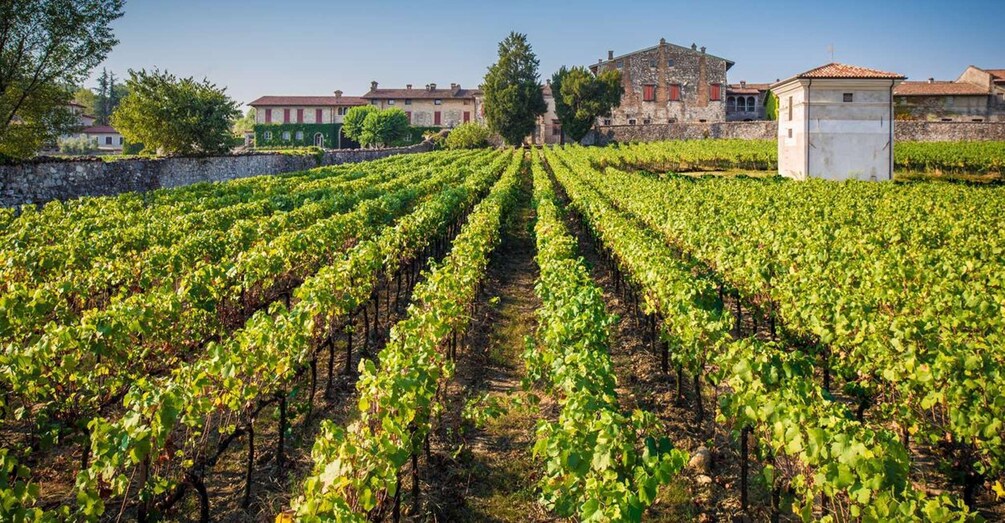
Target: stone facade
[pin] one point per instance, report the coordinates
(549, 128)
(745, 102)
(288, 121)
(917, 131)
(762, 130)
(978, 95)
(430, 106)
(41, 181)
(668, 83)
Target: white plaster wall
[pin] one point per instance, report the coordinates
(792, 132)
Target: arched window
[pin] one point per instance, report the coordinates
(730, 103)
(750, 104)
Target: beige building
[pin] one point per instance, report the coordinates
(287, 121)
(430, 106)
(549, 128)
(978, 95)
(107, 138)
(836, 122)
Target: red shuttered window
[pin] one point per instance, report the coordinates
(715, 93)
(675, 92)
(649, 93)
(268, 116)
(300, 116)
(409, 115)
(286, 116)
(436, 118)
(467, 116)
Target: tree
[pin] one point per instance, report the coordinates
(469, 135)
(383, 128)
(770, 106)
(513, 98)
(245, 123)
(172, 116)
(46, 48)
(580, 98)
(86, 97)
(352, 124)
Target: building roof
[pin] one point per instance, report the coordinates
(747, 88)
(729, 63)
(836, 70)
(997, 74)
(325, 101)
(941, 88)
(74, 104)
(100, 129)
(421, 94)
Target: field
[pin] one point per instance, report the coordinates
(572, 333)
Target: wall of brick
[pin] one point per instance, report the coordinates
(43, 181)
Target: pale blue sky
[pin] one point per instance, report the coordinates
(312, 47)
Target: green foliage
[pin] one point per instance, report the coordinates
(471, 135)
(80, 144)
(513, 98)
(46, 48)
(107, 97)
(771, 106)
(580, 98)
(245, 123)
(173, 116)
(87, 98)
(271, 135)
(381, 128)
(352, 123)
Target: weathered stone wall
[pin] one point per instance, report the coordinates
(767, 130)
(949, 131)
(42, 181)
(939, 108)
(763, 130)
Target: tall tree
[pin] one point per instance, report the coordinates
(46, 48)
(352, 124)
(172, 116)
(513, 98)
(580, 98)
(383, 128)
(87, 98)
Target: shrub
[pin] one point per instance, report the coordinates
(78, 145)
(468, 136)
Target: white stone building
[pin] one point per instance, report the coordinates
(836, 122)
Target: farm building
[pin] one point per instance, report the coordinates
(283, 121)
(430, 106)
(836, 122)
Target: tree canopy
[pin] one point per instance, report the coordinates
(46, 48)
(352, 123)
(383, 128)
(580, 98)
(513, 98)
(172, 116)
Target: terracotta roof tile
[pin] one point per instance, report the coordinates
(836, 70)
(328, 101)
(939, 89)
(421, 94)
(748, 88)
(998, 74)
(100, 129)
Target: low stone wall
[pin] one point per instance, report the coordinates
(43, 181)
(763, 130)
(916, 131)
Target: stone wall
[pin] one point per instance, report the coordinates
(763, 130)
(911, 131)
(41, 181)
(949, 131)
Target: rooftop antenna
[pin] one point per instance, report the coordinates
(830, 49)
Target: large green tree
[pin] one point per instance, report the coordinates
(382, 128)
(513, 98)
(175, 116)
(352, 124)
(580, 98)
(46, 48)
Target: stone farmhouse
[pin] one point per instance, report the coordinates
(978, 95)
(745, 102)
(430, 106)
(668, 83)
(286, 121)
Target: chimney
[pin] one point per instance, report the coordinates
(408, 86)
(432, 87)
(702, 49)
(743, 84)
(338, 93)
(454, 86)
(931, 80)
(373, 85)
(663, 41)
(694, 46)
(610, 55)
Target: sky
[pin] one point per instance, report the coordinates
(313, 47)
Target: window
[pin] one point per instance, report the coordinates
(674, 92)
(467, 116)
(947, 119)
(646, 121)
(436, 118)
(390, 102)
(702, 120)
(670, 62)
(631, 121)
(750, 103)
(300, 136)
(286, 116)
(556, 128)
(267, 135)
(121, 140)
(342, 111)
(973, 120)
(715, 92)
(730, 104)
(607, 121)
(268, 116)
(672, 120)
(790, 132)
(437, 102)
(319, 115)
(620, 64)
(790, 108)
(286, 136)
(408, 114)
(408, 101)
(652, 63)
(848, 97)
(649, 93)
(108, 140)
